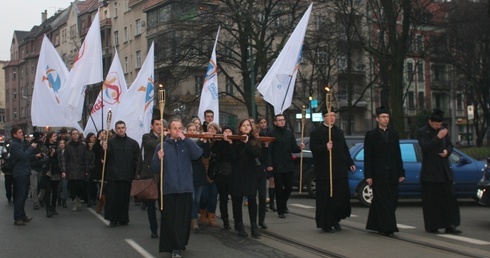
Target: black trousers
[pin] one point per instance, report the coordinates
(284, 187)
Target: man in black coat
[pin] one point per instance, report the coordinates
(383, 171)
(122, 159)
(280, 161)
(439, 203)
(331, 209)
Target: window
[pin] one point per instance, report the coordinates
(408, 152)
(115, 9)
(411, 100)
(409, 71)
(321, 57)
(419, 44)
(63, 35)
(126, 65)
(138, 27)
(421, 100)
(459, 101)
(439, 73)
(229, 85)
(15, 113)
(138, 59)
(198, 81)
(126, 34)
(57, 39)
(14, 75)
(420, 72)
(15, 94)
(116, 38)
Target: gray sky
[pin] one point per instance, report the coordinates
(23, 15)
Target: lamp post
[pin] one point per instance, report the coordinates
(28, 123)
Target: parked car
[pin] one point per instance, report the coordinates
(483, 192)
(309, 183)
(467, 173)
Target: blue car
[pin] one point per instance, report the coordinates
(467, 172)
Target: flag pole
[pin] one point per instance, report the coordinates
(109, 118)
(328, 102)
(303, 120)
(161, 103)
(286, 95)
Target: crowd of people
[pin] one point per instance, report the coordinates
(201, 170)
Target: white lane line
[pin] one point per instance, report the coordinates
(302, 206)
(354, 216)
(98, 216)
(139, 249)
(405, 226)
(466, 239)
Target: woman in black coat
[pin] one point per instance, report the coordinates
(244, 177)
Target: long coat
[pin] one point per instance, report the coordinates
(281, 149)
(149, 143)
(244, 173)
(439, 203)
(383, 164)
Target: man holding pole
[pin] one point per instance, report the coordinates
(122, 159)
(331, 208)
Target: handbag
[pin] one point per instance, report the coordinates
(145, 189)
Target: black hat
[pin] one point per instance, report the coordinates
(227, 127)
(437, 115)
(382, 110)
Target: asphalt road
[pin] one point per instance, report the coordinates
(86, 234)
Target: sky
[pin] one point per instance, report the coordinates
(23, 15)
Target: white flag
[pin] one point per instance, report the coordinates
(50, 78)
(110, 95)
(210, 90)
(277, 87)
(136, 107)
(86, 69)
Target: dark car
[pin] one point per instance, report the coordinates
(483, 192)
(309, 184)
(467, 173)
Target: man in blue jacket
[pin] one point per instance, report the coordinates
(21, 173)
(177, 154)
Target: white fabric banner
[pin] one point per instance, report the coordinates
(113, 89)
(210, 89)
(51, 74)
(277, 87)
(136, 107)
(86, 69)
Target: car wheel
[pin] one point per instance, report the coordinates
(365, 194)
(311, 185)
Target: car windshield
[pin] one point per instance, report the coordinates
(407, 149)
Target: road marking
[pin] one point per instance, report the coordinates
(98, 216)
(405, 226)
(139, 249)
(302, 206)
(466, 239)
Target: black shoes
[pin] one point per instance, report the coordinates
(154, 235)
(453, 230)
(226, 223)
(113, 224)
(387, 234)
(282, 216)
(19, 222)
(241, 229)
(328, 230)
(176, 253)
(433, 231)
(337, 226)
(255, 231)
(263, 225)
(26, 219)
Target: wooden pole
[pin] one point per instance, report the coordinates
(303, 120)
(328, 101)
(161, 103)
(109, 118)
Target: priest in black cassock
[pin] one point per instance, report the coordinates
(439, 203)
(383, 171)
(331, 209)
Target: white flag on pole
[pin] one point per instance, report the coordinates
(136, 107)
(86, 69)
(50, 78)
(210, 89)
(277, 87)
(110, 95)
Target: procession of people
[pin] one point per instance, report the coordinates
(202, 171)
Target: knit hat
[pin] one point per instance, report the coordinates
(215, 125)
(227, 127)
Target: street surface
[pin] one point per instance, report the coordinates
(86, 234)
